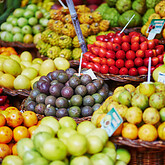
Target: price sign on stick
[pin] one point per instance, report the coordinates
(111, 121)
(155, 27)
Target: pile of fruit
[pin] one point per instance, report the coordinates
(157, 14)
(118, 12)
(24, 23)
(60, 39)
(142, 109)
(64, 143)
(21, 72)
(63, 93)
(14, 126)
(123, 54)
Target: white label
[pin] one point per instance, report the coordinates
(90, 73)
(161, 77)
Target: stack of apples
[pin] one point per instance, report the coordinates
(123, 54)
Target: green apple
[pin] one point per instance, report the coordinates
(16, 29)
(30, 73)
(22, 21)
(18, 37)
(28, 13)
(26, 29)
(10, 18)
(14, 21)
(32, 7)
(18, 12)
(32, 21)
(15, 57)
(123, 155)
(12, 159)
(26, 56)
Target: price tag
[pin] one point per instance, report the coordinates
(155, 27)
(161, 77)
(111, 121)
(90, 73)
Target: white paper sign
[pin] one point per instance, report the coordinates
(161, 77)
(90, 73)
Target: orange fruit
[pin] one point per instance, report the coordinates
(9, 109)
(11, 50)
(4, 150)
(118, 131)
(5, 134)
(4, 113)
(130, 131)
(14, 149)
(29, 118)
(161, 131)
(14, 118)
(20, 132)
(2, 49)
(147, 132)
(39, 122)
(32, 129)
(2, 120)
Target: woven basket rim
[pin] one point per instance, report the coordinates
(157, 145)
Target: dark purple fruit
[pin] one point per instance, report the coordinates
(88, 101)
(33, 94)
(54, 82)
(67, 92)
(96, 107)
(55, 90)
(70, 72)
(86, 79)
(62, 112)
(40, 108)
(44, 78)
(103, 92)
(27, 101)
(74, 81)
(61, 85)
(74, 111)
(41, 98)
(62, 77)
(49, 75)
(97, 84)
(81, 90)
(50, 110)
(91, 88)
(30, 106)
(50, 100)
(62, 102)
(44, 87)
(76, 100)
(106, 87)
(55, 74)
(86, 111)
(101, 80)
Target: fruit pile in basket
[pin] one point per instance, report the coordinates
(142, 109)
(122, 54)
(62, 93)
(60, 39)
(22, 71)
(24, 23)
(118, 12)
(63, 142)
(14, 126)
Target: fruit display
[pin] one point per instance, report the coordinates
(142, 109)
(24, 23)
(120, 11)
(122, 54)
(62, 93)
(14, 126)
(21, 72)
(60, 39)
(63, 142)
(157, 14)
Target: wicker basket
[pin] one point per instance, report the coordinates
(78, 120)
(142, 152)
